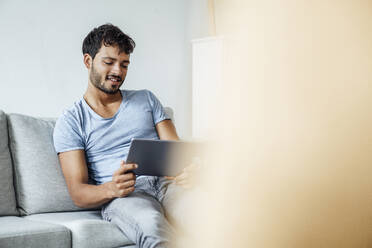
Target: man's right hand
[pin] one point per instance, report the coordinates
(123, 180)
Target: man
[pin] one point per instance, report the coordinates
(92, 139)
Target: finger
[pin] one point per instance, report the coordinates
(121, 169)
(182, 176)
(169, 178)
(182, 181)
(128, 176)
(124, 177)
(127, 184)
(129, 167)
(126, 191)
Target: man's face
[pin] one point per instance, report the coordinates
(109, 69)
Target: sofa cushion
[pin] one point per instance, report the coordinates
(87, 229)
(7, 195)
(19, 232)
(39, 182)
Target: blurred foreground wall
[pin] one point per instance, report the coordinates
(293, 163)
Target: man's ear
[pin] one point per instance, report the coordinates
(88, 61)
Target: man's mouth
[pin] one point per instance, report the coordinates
(114, 79)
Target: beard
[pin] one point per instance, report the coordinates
(97, 80)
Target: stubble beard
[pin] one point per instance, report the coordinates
(96, 80)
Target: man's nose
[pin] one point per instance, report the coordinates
(116, 69)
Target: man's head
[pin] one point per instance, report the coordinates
(106, 52)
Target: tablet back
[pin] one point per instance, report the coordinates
(162, 157)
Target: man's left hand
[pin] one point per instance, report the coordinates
(187, 177)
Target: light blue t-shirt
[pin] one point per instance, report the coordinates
(106, 141)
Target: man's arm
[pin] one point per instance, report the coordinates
(166, 130)
(85, 195)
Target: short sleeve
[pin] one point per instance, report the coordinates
(158, 111)
(66, 135)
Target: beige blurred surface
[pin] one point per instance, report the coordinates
(293, 163)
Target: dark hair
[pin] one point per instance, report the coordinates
(107, 35)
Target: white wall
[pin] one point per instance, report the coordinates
(41, 69)
(197, 19)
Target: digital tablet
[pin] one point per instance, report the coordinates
(162, 157)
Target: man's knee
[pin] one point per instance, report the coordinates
(176, 203)
(140, 210)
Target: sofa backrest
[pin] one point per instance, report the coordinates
(39, 182)
(7, 194)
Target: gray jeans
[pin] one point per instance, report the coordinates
(147, 216)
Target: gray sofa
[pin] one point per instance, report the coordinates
(35, 207)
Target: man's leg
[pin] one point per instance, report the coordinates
(140, 216)
(176, 202)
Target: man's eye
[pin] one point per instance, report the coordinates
(124, 66)
(108, 63)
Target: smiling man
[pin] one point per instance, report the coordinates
(92, 139)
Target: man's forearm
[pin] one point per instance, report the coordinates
(91, 196)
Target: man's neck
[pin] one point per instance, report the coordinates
(99, 99)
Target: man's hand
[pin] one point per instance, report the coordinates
(187, 177)
(123, 180)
